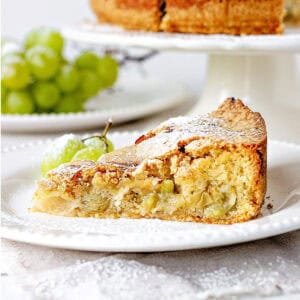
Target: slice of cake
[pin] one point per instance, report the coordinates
(224, 16)
(130, 14)
(209, 168)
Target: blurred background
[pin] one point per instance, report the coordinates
(19, 17)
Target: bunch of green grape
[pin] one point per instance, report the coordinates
(70, 147)
(39, 79)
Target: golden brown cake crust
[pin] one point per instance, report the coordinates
(233, 123)
(225, 16)
(130, 14)
(231, 131)
(194, 16)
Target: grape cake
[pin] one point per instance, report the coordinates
(209, 169)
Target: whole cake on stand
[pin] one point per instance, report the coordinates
(193, 16)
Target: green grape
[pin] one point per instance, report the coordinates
(69, 103)
(4, 93)
(108, 69)
(68, 78)
(87, 60)
(109, 145)
(60, 151)
(15, 72)
(94, 142)
(167, 186)
(87, 154)
(96, 146)
(46, 94)
(51, 39)
(19, 102)
(43, 62)
(215, 211)
(3, 105)
(81, 96)
(102, 143)
(45, 37)
(31, 39)
(90, 84)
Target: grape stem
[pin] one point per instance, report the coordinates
(102, 136)
(138, 59)
(124, 56)
(106, 128)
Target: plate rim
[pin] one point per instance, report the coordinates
(16, 122)
(107, 242)
(87, 31)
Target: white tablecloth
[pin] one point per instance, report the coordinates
(266, 268)
(263, 268)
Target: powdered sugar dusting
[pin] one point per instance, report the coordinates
(58, 146)
(208, 126)
(168, 136)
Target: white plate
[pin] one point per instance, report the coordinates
(20, 169)
(93, 33)
(131, 99)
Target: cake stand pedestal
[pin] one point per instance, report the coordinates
(269, 84)
(262, 70)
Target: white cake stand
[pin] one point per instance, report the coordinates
(262, 70)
